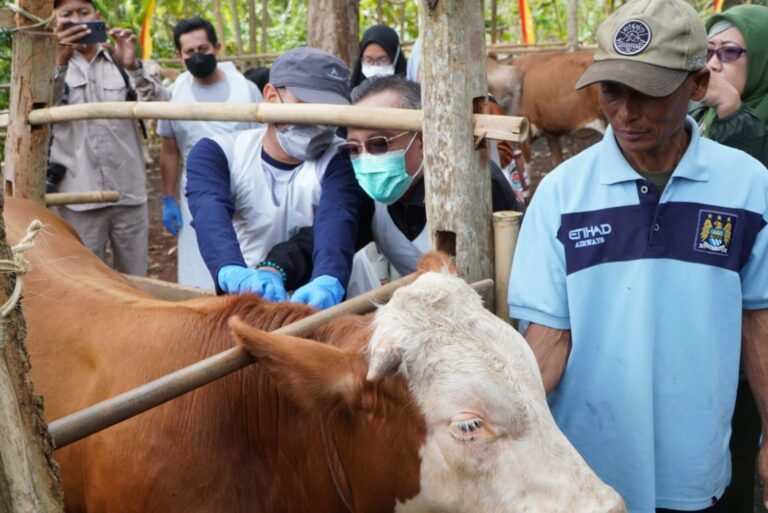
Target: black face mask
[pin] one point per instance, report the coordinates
(201, 65)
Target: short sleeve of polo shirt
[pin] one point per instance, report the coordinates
(537, 283)
(754, 274)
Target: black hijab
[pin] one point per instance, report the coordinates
(387, 38)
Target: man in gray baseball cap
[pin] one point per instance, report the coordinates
(637, 261)
(312, 76)
(253, 194)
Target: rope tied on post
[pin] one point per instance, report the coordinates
(19, 265)
(37, 21)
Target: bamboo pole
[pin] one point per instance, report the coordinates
(107, 413)
(264, 27)
(573, 25)
(507, 128)
(506, 229)
(252, 46)
(74, 198)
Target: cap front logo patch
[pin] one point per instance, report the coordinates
(335, 74)
(633, 37)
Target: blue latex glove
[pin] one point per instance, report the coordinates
(234, 279)
(322, 292)
(171, 215)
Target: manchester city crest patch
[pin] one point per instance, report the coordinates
(714, 232)
(633, 37)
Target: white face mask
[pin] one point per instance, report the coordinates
(387, 70)
(370, 71)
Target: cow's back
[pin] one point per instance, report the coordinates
(549, 97)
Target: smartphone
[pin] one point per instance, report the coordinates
(98, 32)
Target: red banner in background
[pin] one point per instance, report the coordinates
(718, 5)
(526, 22)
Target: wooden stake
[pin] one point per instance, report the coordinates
(264, 27)
(493, 127)
(26, 148)
(252, 47)
(458, 176)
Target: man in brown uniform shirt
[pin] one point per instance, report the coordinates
(102, 154)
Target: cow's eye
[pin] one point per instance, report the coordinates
(467, 426)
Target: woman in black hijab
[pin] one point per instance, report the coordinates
(380, 55)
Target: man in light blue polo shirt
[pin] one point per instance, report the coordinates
(637, 260)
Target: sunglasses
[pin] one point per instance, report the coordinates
(726, 53)
(374, 145)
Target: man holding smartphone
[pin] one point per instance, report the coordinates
(102, 154)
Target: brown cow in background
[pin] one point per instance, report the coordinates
(541, 87)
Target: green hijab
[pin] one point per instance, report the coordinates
(752, 22)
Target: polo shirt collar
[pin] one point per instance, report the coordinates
(616, 169)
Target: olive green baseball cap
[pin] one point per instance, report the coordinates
(648, 45)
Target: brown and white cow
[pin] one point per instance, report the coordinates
(541, 87)
(431, 404)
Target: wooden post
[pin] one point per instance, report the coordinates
(573, 25)
(28, 475)
(458, 176)
(26, 148)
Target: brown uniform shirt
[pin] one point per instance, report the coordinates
(102, 154)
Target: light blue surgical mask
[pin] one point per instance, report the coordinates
(384, 177)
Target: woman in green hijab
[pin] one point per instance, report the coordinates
(735, 110)
(735, 113)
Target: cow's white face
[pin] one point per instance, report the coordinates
(492, 444)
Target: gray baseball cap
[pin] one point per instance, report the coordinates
(648, 45)
(312, 76)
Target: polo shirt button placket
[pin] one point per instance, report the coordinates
(644, 189)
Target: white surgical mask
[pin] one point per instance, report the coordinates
(370, 71)
(305, 142)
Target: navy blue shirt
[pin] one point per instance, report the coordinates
(212, 208)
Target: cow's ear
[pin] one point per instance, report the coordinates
(315, 375)
(437, 261)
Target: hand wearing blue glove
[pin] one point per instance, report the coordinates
(171, 215)
(322, 292)
(234, 279)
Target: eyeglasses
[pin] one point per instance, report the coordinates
(726, 53)
(377, 61)
(374, 145)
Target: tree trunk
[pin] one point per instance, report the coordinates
(333, 26)
(458, 177)
(573, 25)
(379, 12)
(28, 475)
(238, 32)
(219, 20)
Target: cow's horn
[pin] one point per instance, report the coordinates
(384, 357)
